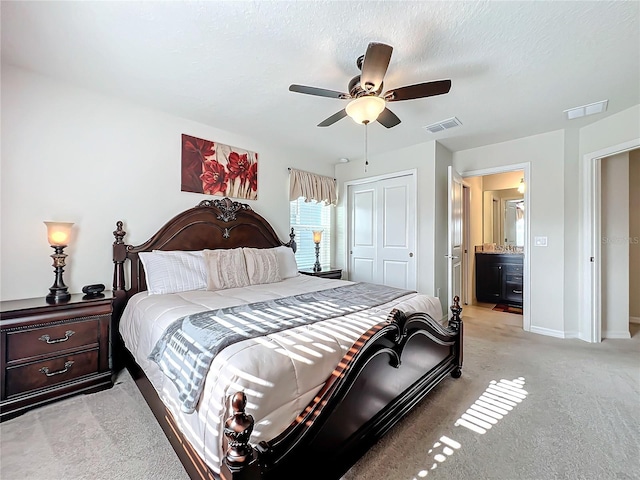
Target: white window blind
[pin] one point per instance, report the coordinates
(304, 219)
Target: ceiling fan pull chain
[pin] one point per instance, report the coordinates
(366, 154)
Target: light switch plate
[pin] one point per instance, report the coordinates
(540, 241)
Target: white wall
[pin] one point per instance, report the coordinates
(634, 235)
(571, 231)
(423, 158)
(545, 153)
(619, 129)
(72, 155)
(615, 246)
(613, 130)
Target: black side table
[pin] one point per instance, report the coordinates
(326, 272)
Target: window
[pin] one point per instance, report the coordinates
(305, 217)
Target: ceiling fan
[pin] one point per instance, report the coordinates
(367, 105)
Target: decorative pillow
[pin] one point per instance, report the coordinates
(262, 265)
(226, 268)
(174, 271)
(287, 262)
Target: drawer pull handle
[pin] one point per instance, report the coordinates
(47, 338)
(67, 366)
(517, 291)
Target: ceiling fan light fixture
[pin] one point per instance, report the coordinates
(365, 109)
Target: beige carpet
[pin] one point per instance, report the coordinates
(578, 417)
(106, 435)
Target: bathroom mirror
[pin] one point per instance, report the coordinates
(503, 217)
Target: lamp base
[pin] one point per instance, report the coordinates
(58, 295)
(58, 292)
(316, 266)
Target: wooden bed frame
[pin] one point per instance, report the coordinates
(385, 374)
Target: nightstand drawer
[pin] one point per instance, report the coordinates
(50, 372)
(51, 351)
(51, 339)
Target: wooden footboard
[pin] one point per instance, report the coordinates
(386, 373)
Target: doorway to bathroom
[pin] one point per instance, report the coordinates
(496, 231)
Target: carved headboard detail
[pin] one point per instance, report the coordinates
(212, 224)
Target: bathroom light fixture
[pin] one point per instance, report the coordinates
(58, 234)
(365, 109)
(521, 186)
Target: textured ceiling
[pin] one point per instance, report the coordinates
(514, 66)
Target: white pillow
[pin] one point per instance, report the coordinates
(226, 268)
(262, 265)
(173, 271)
(287, 262)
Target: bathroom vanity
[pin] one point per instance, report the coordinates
(499, 278)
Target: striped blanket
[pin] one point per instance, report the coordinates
(188, 346)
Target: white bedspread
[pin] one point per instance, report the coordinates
(279, 373)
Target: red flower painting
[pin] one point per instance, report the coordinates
(217, 169)
(214, 178)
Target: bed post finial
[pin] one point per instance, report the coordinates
(455, 323)
(119, 256)
(292, 241)
(119, 233)
(240, 462)
(456, 309)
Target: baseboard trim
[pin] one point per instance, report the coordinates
(634, 319)
(553, 333)
(616, 334)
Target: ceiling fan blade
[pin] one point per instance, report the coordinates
(420, 90)
(333, 118)
(388, 118)
(320, 92)
(374, 66)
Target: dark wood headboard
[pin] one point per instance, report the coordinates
(211, 225)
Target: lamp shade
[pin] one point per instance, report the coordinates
(365, 109)
(317, 236)
(521, 186)
(58, 232)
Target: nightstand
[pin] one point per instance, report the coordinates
(50, 352)
(326, 272)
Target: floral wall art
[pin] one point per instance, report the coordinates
(215, 169)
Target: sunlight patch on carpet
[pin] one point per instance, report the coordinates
(498, 400)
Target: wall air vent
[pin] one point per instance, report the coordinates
(584, 110)
(443, 125)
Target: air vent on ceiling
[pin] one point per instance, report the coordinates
(443, 125)
(584, 110)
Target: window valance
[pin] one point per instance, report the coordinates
(312, 187)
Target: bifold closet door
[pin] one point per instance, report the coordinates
(382, 232)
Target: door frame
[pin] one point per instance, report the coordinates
(526, 168)
(590, 308)
(413, 173)
(467, 294)
(453, 179)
